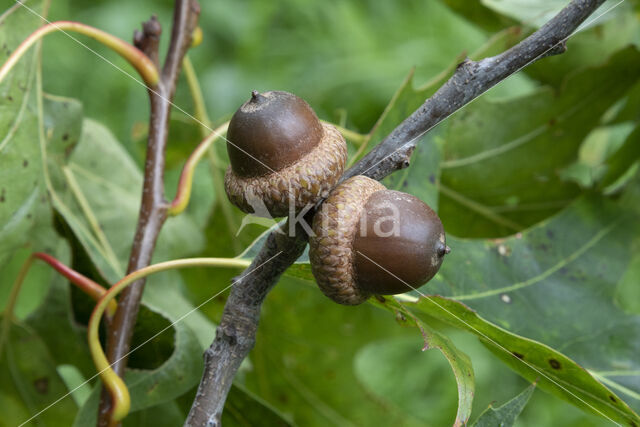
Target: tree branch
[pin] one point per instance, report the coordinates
(235, 336)
(153, 207)
(470, 80)
(236, 333)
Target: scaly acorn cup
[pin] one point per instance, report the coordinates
(282, 157)
(368, 240)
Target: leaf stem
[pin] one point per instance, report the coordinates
(200, 112)
(199, 106)
(86, 285)
(134, 56)
(89, 215)
(121, 400)
(183, 194)
(353, 136)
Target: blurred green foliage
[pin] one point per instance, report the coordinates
(342, 57)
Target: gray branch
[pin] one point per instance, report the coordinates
(235, 335)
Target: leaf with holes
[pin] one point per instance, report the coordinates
(164, 362)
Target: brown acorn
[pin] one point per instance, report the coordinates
(368, 240)
(282, 157)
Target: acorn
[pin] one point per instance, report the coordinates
(282, 157)
(368, 240)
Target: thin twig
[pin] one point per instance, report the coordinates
(153, 207)
(235, 335)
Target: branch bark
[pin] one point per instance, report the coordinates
(153, 207)
(235, 335)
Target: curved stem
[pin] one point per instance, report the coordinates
(183, 193)
(114, 384)
(134, 56)
(353, 136)
(86, 285)
(200, 112)
(199, 106)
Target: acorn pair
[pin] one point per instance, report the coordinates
(366, 239)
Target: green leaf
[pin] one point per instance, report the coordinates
(29, 382)
(630, 107)
(175, 376)
(512, 154)
(555, 372)
(422, 175)
(596, 153)
(478, 14)
(628, 292)
(556, 283)
(155, 385)
(75, 382)
(501, 158)
(414, 383)
(54, 321)
(168, 414)
(623, 159)
(617, 31)
(244, 408)
(539, 12)
(21, 185)
(304, 367)
(95, 190)
(98, 193)
(563, 299)
(505, 415)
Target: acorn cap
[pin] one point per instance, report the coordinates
(330, 248)
(282, 157)
(370, 240)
